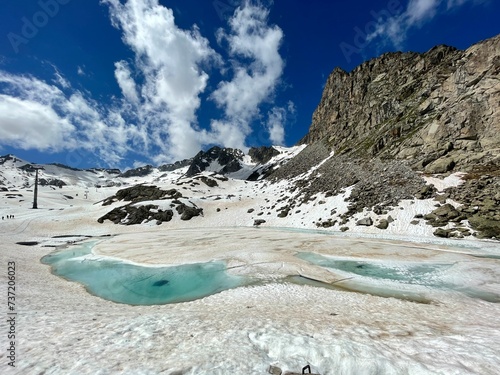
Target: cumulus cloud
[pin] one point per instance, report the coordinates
(37, 115)
(162, 88)
(30, 125)
(170, 61)
(250, 38)
(417, 13)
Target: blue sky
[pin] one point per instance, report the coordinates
(126, 83)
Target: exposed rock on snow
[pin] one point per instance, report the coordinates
(138, 172)
(262, 155)
(139, 193)
(367, 222)
(220, 160)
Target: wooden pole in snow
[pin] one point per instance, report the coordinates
(35, 203)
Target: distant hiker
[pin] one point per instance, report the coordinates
(2, 217)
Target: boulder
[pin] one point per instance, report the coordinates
(188, 212)
(440, 232)
(367, 222)
(442, 165)
(383, 224)
(262, 155)
(487, 228)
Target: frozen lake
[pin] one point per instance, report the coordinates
(133, 284)
(243, 330)
(404, 270)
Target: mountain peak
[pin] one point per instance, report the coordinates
(419, 107)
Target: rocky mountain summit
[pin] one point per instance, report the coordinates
(439, 110)
(402, 115)
(217, 159)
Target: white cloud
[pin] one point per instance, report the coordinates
(37, 115)
(250, 38)
(420, 11)
(125, 81)
(417, 13)
(30, 125)
(277, 118)
(275, 125)
(162, 88)
(170, 61)
(61, 81)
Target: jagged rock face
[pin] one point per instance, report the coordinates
(262, 154)
(5, 158)
(51, 182)
(110, 171)
(416, 107)
(174, 166)
(138, 172)
(224, 160)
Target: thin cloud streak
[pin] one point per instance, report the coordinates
(418, 12)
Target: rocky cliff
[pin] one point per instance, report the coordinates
(402, 114)
(439, 110)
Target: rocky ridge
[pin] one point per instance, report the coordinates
(438, 110)
(403, 114)
(217, 159)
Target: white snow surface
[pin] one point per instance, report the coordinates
(441, 184)
(62, 329)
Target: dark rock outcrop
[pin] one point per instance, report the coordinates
(137, 213)
(480, 199)
(138, 172)
(51, 182)
(6, 158)
(64, 166)
(110, 171)
(175, 166)
(262, 155)
(132, 215)
(367, 222)
(383, 224)
(139, 193)
(188, 212)
(228, 160)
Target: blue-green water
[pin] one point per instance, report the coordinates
(430, 275)
(419, 274)
(137, 285)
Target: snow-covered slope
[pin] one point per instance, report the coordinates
(229, 200)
